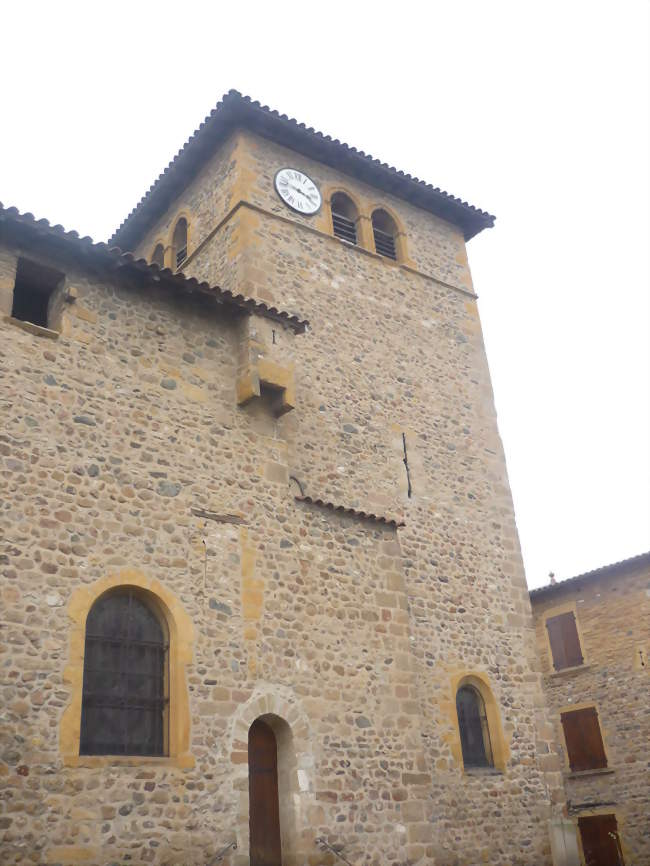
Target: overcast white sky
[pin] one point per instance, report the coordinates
(536, 112)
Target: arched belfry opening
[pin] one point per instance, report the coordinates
(271, 785)
(344, 217)
(179, 243)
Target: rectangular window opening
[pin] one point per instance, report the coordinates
(584, 741)
(564, 640)
(33, 290)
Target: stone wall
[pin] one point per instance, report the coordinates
(211, 194)
(243, 171)
(613, 618)
(125, 453)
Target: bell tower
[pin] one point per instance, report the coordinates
(385, 412)
(254, 463)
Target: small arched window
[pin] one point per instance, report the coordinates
(473, 725)
(124, 703)
(344, 217)
(179, 242)
(158, 256)
(385, 234)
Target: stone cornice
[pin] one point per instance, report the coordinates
(243, 203)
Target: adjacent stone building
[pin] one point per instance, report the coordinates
(593, 636)
(260, 575)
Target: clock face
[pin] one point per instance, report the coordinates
(298, 191)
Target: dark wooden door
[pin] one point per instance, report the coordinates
(599, 835)
(264, 819)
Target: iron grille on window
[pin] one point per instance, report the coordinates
(384, 244)
(344, 228)
(474, 734)
(181, 255)
(123, 706)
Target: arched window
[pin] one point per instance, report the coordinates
(179, 242)
(125, 681)
(473, 725)
(385, 234)
(158, 256)
(344, 217)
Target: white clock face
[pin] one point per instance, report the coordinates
(298, 191)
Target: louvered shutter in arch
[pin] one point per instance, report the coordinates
(385, 233)
(344, 217)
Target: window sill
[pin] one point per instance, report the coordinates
(583, 774)
(572, 670)
(36, 330)
(182, 762)
(483, 771)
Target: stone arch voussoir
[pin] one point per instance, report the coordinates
(279, 703)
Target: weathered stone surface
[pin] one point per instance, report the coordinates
(350, 630)
(612, 611)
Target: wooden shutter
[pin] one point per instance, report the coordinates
(572, 651)
(584, 742)
(564, 640)
(554, 628)
(599, 834)
(264, 806)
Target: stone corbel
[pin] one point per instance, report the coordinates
(263, 365)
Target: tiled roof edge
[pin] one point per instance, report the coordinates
(117, 258)
(350, 512)
(614, 567)
(237, 107)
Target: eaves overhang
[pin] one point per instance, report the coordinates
(614, 569)
(238, 111)
(25, 227)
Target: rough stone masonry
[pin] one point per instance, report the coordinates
(250, 477)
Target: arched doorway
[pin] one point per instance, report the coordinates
(264, 804)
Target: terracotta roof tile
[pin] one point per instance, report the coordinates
(115, 258)
(350, 512)
(237, 110)
(612, 569)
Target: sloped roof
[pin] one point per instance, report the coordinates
(611, 570)
(113, 257)
(235, 110)
(351, 512)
